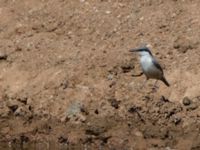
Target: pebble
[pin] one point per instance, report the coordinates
(114, 103)
(193, 106)
(22, 111)
(3, 55)
(186, 101)
(108, 12)
(127, 67)
(63, 139)
(176, 120)
(110, 76)
(12, 105)
(138, 134)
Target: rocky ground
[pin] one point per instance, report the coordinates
(68, 81)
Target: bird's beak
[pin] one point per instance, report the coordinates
(135, 50)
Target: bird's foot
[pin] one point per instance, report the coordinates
(155, 89)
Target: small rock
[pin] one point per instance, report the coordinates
(110, 76)
(170, 109)
(96, 111)
(18, 49)
(81, 118)
(13, 108)
(94, 130)
(113, 83)
(168, 148)
(64, 119)
(134, 109)
(73, 109)
(127, 67)
(23, 112)
(108, 12)
(114, 70)
(138, 133)
(84, 110)
(104, 139)
(62, 139)
(23, 100)
(114, 103)
(12, 105)
(164, 99)
(176, 120)
(76, 113)
(3, 55)
(24, 139)
(141, 19)
(64, 84)
(186, 101)
(192, 106)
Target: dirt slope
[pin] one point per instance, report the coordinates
(67, 78)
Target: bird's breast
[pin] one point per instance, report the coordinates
(149, 69)
(146, 62)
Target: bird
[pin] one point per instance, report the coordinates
(150, 66)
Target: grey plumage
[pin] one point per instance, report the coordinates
(159, 67)
(150, 66)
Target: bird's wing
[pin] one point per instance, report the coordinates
(155, 62)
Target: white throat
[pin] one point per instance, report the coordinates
(144, 53)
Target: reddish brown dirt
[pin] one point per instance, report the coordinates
(67, 77)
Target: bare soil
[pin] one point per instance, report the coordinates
(67, 79)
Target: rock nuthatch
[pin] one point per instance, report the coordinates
(150, 66)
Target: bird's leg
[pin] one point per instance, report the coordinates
(155, 86)
(143, 84)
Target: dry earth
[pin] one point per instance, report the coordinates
(68, 81)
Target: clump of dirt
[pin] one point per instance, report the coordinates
(68, 79)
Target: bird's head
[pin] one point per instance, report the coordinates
(144, 50)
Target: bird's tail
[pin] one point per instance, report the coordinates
(165, 81)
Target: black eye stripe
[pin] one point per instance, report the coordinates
(146, 50)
